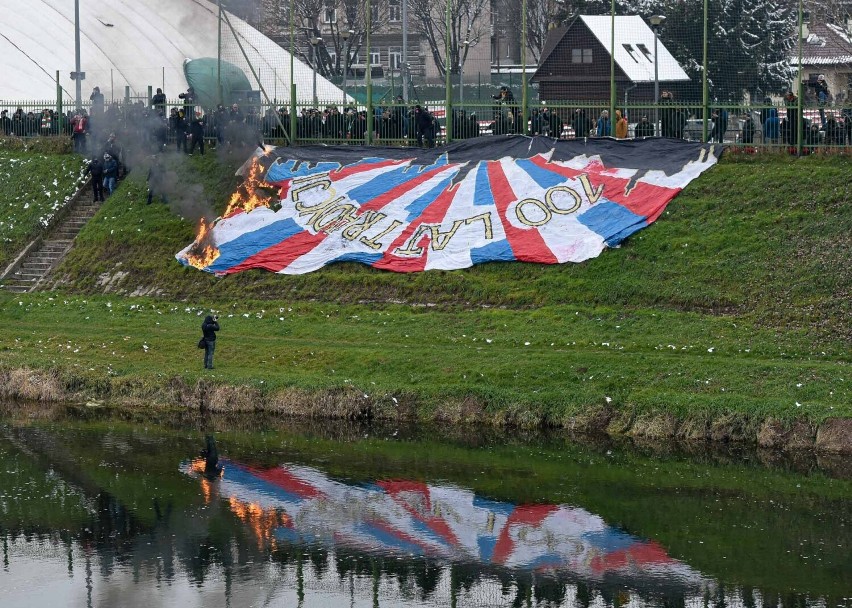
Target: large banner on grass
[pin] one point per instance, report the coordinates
(474, 201)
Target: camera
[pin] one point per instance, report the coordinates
(215, 317)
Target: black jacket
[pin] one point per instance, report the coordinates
(210, 327)
(96, 168)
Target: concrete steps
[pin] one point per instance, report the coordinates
(46, 256)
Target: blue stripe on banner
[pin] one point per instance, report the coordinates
(612, 221)
(486, 547)
(364, 258)
(499, 251)
(610, 539)
(390, 540)
(415, 208)
(236, 474)
(541, 176)
(482, 191)
(501, 508)
(287, 170)
(391, 179)
(250, 243)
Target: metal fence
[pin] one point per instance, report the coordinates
(777, 76)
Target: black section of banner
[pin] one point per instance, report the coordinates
(657, 154)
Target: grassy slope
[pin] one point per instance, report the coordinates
(32, 187)
(736, 300)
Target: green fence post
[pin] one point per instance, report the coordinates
(799, 92)
(368, 137)
(448, 101)
(705, 91)
(524, 98)
(58, 95)
(293, 110)
(612, 91)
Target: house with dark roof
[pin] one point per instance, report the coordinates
(575, 62)
(827, 51)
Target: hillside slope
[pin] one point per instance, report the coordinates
(767, 238)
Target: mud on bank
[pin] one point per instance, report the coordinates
(833, 436)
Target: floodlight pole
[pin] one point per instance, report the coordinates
(314, 42)
(219, 57)
(406, 76)
(78, 83)
(346, 47)
(656, 22)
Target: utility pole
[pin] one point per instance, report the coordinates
(406, 73)
(78, 82)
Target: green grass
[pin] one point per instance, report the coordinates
(543, 365)
(736, 301)
(33, 187)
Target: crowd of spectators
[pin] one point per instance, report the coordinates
(157, 125)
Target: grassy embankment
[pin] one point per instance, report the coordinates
(734, 307)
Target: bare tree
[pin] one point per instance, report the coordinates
(468, 22)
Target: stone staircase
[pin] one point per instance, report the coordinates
(43, 254)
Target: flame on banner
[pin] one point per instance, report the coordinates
(203, 251)
(249, 195)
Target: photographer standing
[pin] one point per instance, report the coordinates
(209, 328)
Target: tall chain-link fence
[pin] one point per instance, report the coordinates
(770, 74)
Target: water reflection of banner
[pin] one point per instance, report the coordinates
(301, 504)
(495, 199)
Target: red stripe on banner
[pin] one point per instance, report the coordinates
(285, 480)
(640, 554)
(397, 489)
(527, 245)
(531, 515)
(433, 214)
(645, 199)
(280, 255)
(348, 170)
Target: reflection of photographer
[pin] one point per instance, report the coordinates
(208, 342)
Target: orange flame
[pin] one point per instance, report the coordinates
(203, 251)
(262, 522)
(248, 196)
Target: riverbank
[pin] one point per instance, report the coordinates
(726, 320)
(648, 374)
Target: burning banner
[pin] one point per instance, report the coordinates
(474, 201)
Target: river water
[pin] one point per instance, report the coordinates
(99, 508)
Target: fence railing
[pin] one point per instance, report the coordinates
(151, 128)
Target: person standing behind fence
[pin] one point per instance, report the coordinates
(603, 128)
(196, 132)
(822, 95)
(79, 127)
(791, 133)
(209, 327)
(771, 127)
(424, 125)
(5, 123)
(580, 124)
(672, 120)
(158, 102)
(621, 127)
(97, 99)
(177, 126)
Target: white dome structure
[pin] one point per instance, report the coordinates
(135, 43)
